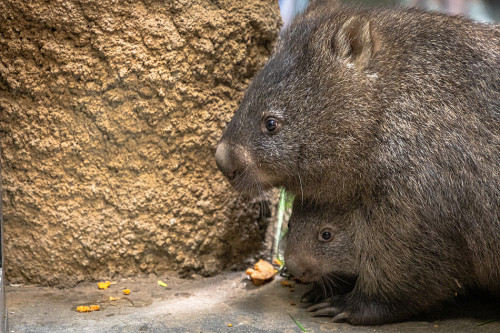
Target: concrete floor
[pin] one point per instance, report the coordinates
(205, 305)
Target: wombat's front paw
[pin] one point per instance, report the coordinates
(331, 307)
(344, 309)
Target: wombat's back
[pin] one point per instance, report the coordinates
(438, 151)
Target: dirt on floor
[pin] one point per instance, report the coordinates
(226, 303)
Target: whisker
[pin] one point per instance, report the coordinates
(301, 189)
(338, 278)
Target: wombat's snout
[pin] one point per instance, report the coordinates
(301, 268)
(226, 161)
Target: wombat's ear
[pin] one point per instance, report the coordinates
(357, 41)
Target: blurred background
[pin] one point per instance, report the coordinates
(479, 10)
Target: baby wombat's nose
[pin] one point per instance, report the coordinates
(224, 161)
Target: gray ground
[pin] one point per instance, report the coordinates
(204, 305)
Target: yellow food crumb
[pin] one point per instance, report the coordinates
(277, 262)
(126, 291)
(103, 285)
(229, 325)
(262, 272)
(288, 284)
(86, 308)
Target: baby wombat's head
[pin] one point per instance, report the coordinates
(319, 243)
(306, 109)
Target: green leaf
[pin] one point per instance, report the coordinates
(486, 322)
(298, 324)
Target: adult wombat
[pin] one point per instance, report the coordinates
(398, 110)
(374, 277)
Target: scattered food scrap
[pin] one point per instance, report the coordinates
(262, 272)
(289, 284)
(88, 308)
(279, 262)
(126, 291)
(111, 298)
(229, 325)
(103, 285)
(161, 283)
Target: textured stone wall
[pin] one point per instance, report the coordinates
(109, 116)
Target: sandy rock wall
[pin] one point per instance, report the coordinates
(109, 116)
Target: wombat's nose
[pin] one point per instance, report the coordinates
(224, 161)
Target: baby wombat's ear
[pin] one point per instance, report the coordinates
(356, 41)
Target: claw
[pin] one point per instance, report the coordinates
(305, 299)
(318, 306)
(341, 317)
(331, 311)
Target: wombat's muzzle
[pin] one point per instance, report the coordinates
(226, 161)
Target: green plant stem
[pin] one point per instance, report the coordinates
(281, 215)
(298, 324)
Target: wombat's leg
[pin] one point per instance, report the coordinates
(319, 293)
(314, 295)
(327, 288)
(344, 308)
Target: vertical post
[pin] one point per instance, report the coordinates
(3, 308)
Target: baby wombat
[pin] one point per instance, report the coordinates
(378, 274)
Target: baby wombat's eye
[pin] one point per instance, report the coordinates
(325, 235)
(271, 125)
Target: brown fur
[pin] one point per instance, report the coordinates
(393, 116)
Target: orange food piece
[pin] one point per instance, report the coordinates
(288, 284)
(88, 308)
(126, 291)
(263, 271)
(83, 308)
(103, 285)
(277, 262)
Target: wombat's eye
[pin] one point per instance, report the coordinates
(271, 124)
(325, 236)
